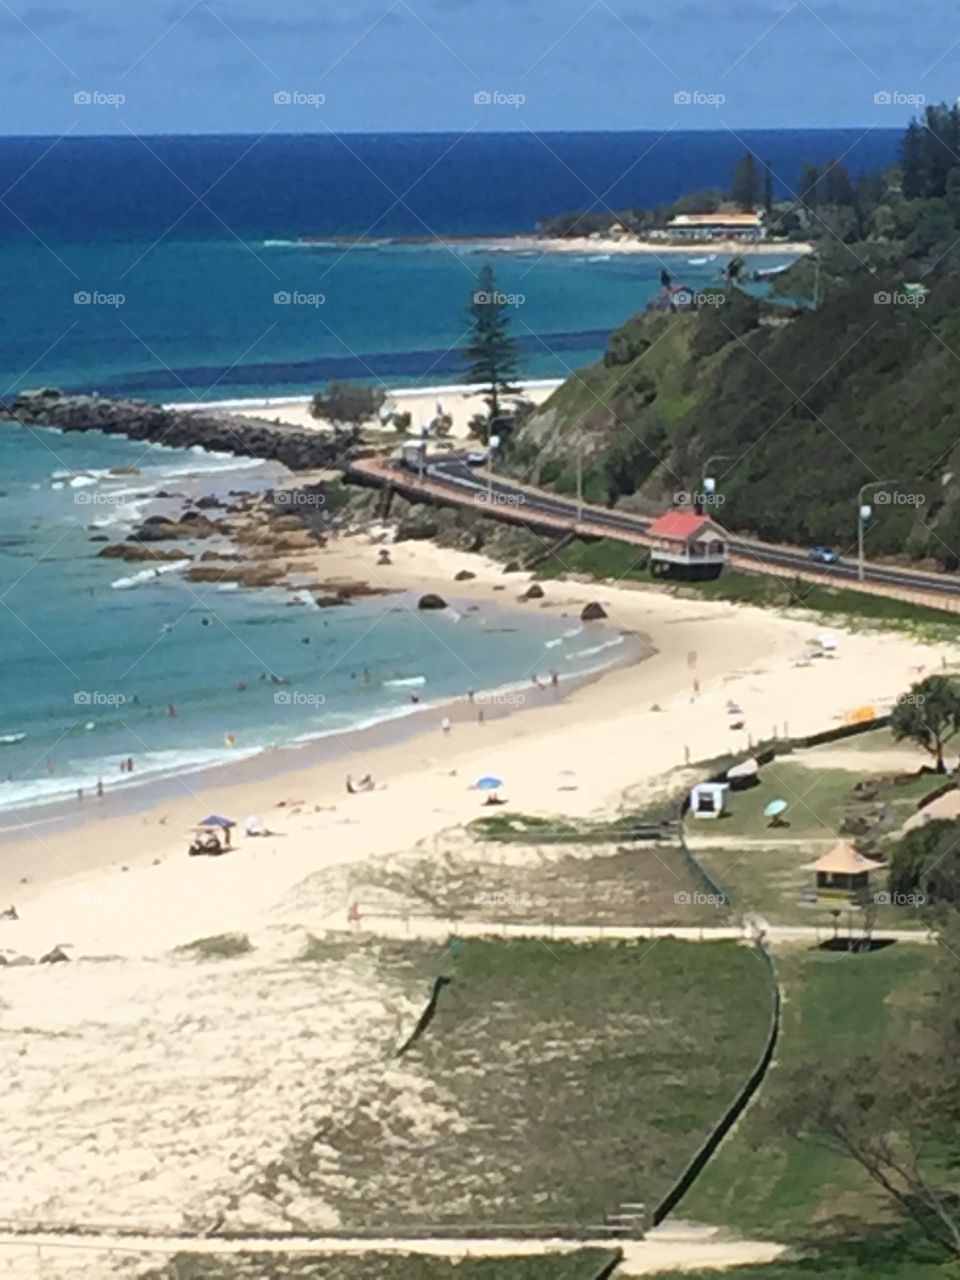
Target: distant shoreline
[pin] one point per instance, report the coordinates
(556, 244)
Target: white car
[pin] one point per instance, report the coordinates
(476, 457)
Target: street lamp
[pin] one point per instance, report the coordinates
(864, 511)
(709, 481)
(493, 444)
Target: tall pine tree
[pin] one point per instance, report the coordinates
(491, 351)
(743, 188)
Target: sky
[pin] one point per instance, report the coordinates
(251, 66)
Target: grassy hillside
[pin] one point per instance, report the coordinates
(807, 410)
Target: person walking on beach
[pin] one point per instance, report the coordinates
(99, 788)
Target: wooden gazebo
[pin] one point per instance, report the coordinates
(842, 877)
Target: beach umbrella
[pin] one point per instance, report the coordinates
(774, 808)
(215, 820)
(488, 783)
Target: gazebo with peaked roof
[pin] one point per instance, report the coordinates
(842, 877)
(687, 544)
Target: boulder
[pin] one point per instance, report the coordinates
(136, 551)
(512, 566)
(533, 592)
(431, 601)
(592, 612)
(463, 576)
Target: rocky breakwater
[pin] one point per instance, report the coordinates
(253, 540)
(177, 428)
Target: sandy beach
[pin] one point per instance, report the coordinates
(629, 244)
(138, 1090)
(460, 401)
(122, 883)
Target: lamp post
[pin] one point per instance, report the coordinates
(709, 481)
(864, 511)
(493, 444)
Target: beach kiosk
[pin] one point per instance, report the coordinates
(841, 878)
(687, 544)
(709, 799)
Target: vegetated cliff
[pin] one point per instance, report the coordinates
(807, 405)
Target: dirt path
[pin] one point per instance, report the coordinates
(665, 1249)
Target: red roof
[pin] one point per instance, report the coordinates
(678, 524)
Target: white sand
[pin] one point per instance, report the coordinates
(606, 732)
(138, 1084)
(461, 402)
(595, 245)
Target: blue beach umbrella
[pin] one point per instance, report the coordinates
(488, 784)
(774, 808)
(215, 820)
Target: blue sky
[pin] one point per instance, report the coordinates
(216, 65)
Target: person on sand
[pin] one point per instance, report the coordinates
(366, 783)
(99, 788)
(351, 789)
(554, 679)
(79, 793)
(445, 724)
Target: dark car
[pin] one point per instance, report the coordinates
(824, 555)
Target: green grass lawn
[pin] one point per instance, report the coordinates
(835, 1005)
(769, 879)
(556, 1080)
(583, 1264)
(818, 801)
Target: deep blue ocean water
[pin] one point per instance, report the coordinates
(186, 230)
(194, 235)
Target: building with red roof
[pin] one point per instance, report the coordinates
(687, 544)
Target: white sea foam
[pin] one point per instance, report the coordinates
(597, 648)
(403, 683)
(148, 575)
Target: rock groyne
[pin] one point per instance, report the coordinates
(214, 431)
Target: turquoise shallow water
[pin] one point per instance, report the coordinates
(95, 650)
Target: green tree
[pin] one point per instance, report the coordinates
(810, 189)
(734, 271)
(744, 185)
(838, 189)
(926, 865)
(767, 189)
(346, 406)
(928, 715)
(491, 351)
(934, 229)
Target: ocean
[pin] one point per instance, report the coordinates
(159, 269)
(182, 246)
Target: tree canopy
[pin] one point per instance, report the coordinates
(346, 405)
(929, 715)
(491, 351)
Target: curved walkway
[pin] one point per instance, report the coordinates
(664, 1249)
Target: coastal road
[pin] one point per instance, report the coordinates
(452, 479)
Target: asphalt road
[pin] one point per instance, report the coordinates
(455, 474)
